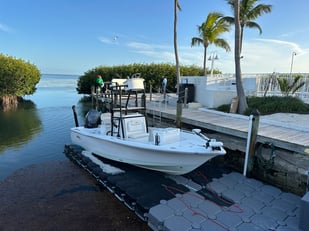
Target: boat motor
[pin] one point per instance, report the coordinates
(92, 119)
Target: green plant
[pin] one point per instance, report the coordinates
(17, 77)
(209, 33)
(272, 104)
(152, 73)
(289, 85)
(249, 11)
(277, 104)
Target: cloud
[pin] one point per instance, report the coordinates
(268, 55)
(5, 28)
(286, 44)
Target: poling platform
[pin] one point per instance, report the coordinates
(208, 198)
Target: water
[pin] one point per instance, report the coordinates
(39, 132)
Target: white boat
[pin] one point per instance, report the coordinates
(123, 135)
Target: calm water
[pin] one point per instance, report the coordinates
(39, 132)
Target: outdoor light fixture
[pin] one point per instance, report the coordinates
(212, 58)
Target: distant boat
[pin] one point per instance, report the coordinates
(122, 135)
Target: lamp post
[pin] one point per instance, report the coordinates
(212, 58)
(292, 61)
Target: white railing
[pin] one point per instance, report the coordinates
(265, 84)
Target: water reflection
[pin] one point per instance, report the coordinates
(39, 129)
(20, 126)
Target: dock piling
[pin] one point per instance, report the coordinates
(254, 121)
(179, 113)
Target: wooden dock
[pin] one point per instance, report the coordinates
(294, 138)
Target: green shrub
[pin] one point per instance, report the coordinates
(152, 73)
(17, 77)
(224, 108)
(272, 104)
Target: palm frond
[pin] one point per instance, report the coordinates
(251, 24)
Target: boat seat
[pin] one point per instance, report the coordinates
(135, 127)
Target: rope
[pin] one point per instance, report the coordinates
(266, 163)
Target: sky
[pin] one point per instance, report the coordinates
(75, 36)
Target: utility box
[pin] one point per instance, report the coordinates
(304, 213)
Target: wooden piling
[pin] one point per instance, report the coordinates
(178, 113)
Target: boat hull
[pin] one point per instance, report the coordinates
(175, 159)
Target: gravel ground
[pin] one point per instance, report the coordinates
(59, 195)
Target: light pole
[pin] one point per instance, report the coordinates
(292, 61)
(212, 58)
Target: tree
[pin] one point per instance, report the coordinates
(248, 12)
(176, 7)
(17, 79)
(242, 101)
(209, 33)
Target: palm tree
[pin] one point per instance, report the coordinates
(176, 7)
(209, 33)
(290, 85)
(245, 12)
(249, 11)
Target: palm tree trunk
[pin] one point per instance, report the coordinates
(242, 102)
(241, 38)
(205, 58)
(176, 6)
(179, 102)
